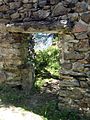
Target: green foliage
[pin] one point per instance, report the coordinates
(47, 60)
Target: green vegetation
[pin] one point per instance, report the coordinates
(47, 65)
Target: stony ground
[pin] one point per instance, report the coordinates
(16, 106)
(14, 113)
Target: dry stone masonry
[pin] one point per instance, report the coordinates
(70, 19)
(14, 66)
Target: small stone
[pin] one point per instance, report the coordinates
(86, 17)
(66, 65)
(4, 8)
(88, 74)
(2, 77)
(41, 14)
(83, 84)
(59, 10)
(15, 15)
(81, 35)
(72, 73)
(52, 2)
(81, 7)
(69, 83)
(73, 56)
(76, 93)
(25, 1)
(78, 67)
(1, 15)
(14, 5)
(79, 27)
(46, 7)
(88, 1)
(83, 45)
(68, 38)
(42, 3)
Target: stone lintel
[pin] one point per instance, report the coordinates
(32, 27)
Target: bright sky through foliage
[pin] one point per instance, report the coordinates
(42, 41)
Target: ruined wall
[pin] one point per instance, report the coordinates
(75, 71)
(44, 14)
(69, 18)
(14, 66)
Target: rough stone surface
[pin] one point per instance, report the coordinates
(13, 53)
(70, 19)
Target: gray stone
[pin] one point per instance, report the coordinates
(69, 83)
(87, 65)
(86, 17)
(42, 3)
(68, 37)
(41, 14)
(76, 93)
(1, 15)
(66, 65)
(83, 84)
(59, 10)
(25, 1)
(15, 15)
(72, 73)
(79, 67)
(2, 77)
(81, 7)
(81, 35)
(52, 2)
(73, 56)
(72, 1)
(88, 74)
(14, 5)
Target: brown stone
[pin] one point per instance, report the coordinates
(79, 27)
(4, 8)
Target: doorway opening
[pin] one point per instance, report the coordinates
(47, 54)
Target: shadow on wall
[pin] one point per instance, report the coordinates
(44, 104)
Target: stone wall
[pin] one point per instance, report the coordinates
(44, 14)
(14, 66)
(70, 19)
(75, 72)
